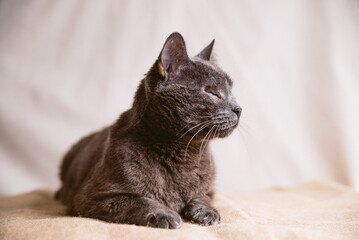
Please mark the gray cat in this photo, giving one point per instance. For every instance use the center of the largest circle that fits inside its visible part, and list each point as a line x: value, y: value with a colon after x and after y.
x: 152, y: 166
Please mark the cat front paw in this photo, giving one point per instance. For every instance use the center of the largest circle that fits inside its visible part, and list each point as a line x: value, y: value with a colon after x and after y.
x: 202, y: 214
x: 164, y: 219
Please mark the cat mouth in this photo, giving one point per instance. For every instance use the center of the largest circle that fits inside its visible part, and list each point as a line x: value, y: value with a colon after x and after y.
x: 225, y: 125
x: 228, y: 125
x: 224, y: 122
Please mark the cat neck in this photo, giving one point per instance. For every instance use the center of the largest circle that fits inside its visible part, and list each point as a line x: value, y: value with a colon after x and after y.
x: 181, y: 149
x: 146, y: 119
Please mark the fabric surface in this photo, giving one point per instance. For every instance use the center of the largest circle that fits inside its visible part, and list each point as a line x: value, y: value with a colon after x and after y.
x: 315, y: 210
x: 70, y: 67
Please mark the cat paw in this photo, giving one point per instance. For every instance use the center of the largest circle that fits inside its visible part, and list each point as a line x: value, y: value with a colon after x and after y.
x: 164, y: 219
x: 202, y: 214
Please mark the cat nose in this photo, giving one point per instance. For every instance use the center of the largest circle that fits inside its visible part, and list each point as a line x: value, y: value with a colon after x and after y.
x: 237, y: 110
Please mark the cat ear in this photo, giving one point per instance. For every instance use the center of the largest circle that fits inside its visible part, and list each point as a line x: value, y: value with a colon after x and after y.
x: 205, y: 54
x: 173, y: 54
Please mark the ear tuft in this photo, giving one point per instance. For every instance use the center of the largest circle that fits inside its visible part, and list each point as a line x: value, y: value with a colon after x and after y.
x: 206, y: 53
x: 161, y: 69
x: 173, y: 54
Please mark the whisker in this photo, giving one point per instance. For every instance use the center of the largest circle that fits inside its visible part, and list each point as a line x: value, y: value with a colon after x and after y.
x: 201, y: 128
x: 246, y: 147
x: 204, y: 139
x: 239, y: 131
x: 246, y: 127
x: 205, y: 116
x: 184, y: 127
x: 193, y: 128
x: 216, y: 134
x: 201, y: 150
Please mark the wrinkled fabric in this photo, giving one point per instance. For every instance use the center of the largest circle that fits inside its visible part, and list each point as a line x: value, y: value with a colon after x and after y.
x: 70, y: 67
x: 315, y: 210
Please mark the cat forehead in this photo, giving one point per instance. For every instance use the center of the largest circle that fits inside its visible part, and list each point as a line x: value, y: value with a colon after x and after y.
x: 210, y: 72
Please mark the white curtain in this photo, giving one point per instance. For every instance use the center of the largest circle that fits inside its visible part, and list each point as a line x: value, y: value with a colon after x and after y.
x: 69, y: 67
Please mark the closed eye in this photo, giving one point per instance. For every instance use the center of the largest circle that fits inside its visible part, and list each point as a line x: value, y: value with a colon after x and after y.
x: 212, y: 91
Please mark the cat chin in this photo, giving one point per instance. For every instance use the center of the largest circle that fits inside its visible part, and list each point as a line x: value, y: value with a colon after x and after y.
x: 225, y: 132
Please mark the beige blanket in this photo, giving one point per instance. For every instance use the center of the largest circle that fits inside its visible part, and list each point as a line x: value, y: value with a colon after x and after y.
x: 70, y: 67
x: 315, y: 210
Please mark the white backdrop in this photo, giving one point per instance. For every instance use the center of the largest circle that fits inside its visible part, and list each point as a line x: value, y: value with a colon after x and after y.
x: 69, y: 67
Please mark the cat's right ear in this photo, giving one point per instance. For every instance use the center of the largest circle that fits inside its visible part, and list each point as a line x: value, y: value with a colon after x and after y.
x: 173, y: 55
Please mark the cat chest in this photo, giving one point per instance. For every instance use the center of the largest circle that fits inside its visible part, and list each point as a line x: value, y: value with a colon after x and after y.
x: 160, y: 177
x: 177, y: 186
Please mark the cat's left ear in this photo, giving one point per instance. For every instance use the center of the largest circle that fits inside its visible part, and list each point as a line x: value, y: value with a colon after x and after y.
x: 206, y: 53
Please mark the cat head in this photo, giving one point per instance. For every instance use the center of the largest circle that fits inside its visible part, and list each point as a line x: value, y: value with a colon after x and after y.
x: 192, y: 96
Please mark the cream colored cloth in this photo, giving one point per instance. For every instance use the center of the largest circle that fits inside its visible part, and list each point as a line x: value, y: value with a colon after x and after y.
x: 315, y: 210
x: 69, y: 67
